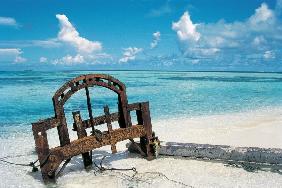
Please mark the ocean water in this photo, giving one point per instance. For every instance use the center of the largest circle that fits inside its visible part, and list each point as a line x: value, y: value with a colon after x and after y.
x: 237, y: 109
x: 26, y: 96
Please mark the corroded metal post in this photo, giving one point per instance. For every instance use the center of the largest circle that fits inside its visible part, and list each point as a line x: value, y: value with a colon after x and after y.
x: 43, y: 151
x: 145, y: 141
x: 62, y: 127
x: 81, y: 133
x: 51, y: 158
x: 109, y: 126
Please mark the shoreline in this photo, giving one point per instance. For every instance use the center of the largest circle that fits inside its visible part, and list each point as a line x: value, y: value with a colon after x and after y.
x: 261, y: 128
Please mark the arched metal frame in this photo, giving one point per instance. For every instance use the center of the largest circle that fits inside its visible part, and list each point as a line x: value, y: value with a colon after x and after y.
x: 51, y: 158
x: 84, y: 82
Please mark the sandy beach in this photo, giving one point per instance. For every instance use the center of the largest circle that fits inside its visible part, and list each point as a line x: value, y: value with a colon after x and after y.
x: 206, y: 74
x: 260, y: 128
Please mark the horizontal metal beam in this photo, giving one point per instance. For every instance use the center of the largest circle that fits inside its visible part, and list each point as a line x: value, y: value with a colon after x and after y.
x: 100, y: 120
x: 86, y: 144
x: 45, y: 124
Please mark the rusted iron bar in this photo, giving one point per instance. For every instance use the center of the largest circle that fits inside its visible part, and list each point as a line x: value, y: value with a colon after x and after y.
x: 109, y: 126
x: 50, y: 159
x: 89, y: 107
x: 134, y: 106
x: 100, y: 120
x: 90, y: 142
x: 58, y: 154
x: 81, y: 133
x: 145, y: 140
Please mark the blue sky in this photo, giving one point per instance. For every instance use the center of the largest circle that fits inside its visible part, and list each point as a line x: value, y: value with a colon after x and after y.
x: 168, y: 35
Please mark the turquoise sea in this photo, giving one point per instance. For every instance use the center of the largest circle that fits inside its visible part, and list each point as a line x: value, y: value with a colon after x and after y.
x: 26, y: 96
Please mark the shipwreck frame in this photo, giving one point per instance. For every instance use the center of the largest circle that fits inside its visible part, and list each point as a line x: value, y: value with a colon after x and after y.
x: 51, y: 158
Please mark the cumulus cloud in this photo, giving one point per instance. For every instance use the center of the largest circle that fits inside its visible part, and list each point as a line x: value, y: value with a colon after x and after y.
x: 11, y: 55
x: 205, y: 51
x: 43, y: 60
x: 98, y: 58
x: 269, y: 54
x: 262, y: 14
x: 19, y: 59
x: 70, y: 60
x: 185, y: 29
x: 129, y: 54
x: 156, y: 39
x: 8, y: 21
x: 70, y: 35
x: 259, y: 40
x: 87, y: 51
x: 254, y: 39
x: 10, y: 51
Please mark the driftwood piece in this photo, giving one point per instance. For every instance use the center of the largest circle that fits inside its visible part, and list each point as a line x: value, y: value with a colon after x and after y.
x: 218, y: 152
x: 223, y: 152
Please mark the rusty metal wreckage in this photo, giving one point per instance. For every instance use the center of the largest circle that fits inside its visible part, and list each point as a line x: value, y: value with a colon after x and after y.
x: 51, y: 158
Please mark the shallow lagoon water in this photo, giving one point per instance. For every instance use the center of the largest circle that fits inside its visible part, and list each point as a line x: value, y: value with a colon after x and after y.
x: 26, y: 96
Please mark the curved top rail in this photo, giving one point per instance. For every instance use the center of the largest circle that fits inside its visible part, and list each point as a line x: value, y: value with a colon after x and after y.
x: 88, y: 80
x: 84, y: 82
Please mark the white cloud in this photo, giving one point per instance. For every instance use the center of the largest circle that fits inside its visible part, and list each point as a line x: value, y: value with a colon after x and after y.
x: 8, y: 21
x: 12, y: 55
x: 98, y: 58
x: 269, y: 54
x: 48, y: 43
x: 259, y: 36
x: 208, y: 51
x: 129, y: 54
x: 86, y: 49
x: 43, y: 60
x: 185, y: 28
x: 93, y: 59
x: 70, y: 35
x: 70, y: 60
x: 262, y: 14
x: 259, y: 40
x: 19, y: 59
x: 10, y: 51
x: 156, y: 39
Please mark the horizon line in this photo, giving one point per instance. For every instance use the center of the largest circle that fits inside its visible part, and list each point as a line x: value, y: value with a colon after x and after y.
x: 136, y: 70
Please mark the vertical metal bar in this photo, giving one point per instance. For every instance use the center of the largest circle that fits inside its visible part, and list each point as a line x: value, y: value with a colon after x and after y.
x: 147, y: 119
x: 43, y: 151
x: 109, y: 125
x: 81, y: 132
x: 122, y: 120
x: 125, y: 119
x: 139, y: 115
x: 62, y: 128
x: 145, y: 141
x: 108, y: 118
x: 89, y: 109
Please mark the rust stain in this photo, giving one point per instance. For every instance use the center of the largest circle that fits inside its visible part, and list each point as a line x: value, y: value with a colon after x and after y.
x: 51, y: 158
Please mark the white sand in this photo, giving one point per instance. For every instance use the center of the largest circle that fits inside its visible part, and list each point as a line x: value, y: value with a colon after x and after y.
x: 262, y: 128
